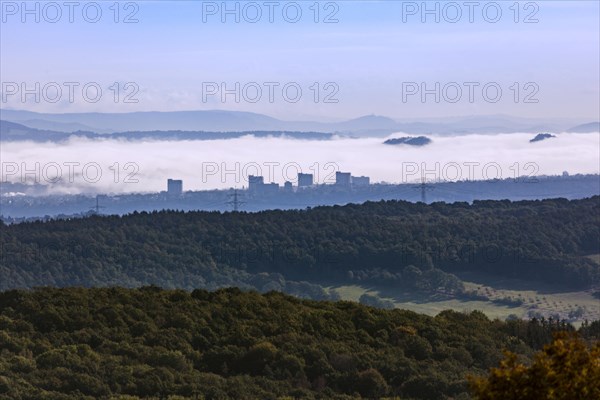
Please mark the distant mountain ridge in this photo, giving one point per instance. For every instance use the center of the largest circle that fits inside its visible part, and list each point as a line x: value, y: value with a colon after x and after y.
x: 237, y: 121
x: 585, y: 128
x: 10, y: 131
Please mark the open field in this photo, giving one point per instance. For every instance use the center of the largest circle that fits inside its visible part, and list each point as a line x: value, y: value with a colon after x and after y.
x: 573, y: 306
x: 542, y: 300
x: 528, y: 299
x: 595, y: 257
x: 429, y: 307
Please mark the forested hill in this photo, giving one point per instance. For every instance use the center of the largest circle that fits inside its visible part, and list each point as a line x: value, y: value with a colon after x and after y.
x: 151, y: 343
x: 277, y: 250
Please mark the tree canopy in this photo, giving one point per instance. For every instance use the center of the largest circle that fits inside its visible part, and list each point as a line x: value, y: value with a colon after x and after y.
x: 392, y: 243
x: 566, y: 369
x: 79, y: 343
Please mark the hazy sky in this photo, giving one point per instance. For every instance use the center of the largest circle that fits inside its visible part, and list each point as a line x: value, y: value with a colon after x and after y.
x: 373, y: 60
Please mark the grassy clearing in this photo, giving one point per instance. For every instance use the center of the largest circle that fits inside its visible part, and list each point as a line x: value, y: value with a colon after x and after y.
x: 595, y: 257
x: 431, y: 307
x: 575, y: 305
x: 536, y: 299
x: 541, y: 301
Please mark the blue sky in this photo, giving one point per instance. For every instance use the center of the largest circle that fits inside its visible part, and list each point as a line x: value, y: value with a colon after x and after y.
x: 369, y: 55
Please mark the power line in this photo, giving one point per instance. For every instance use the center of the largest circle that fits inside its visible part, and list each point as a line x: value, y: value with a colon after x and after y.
x: 423, y: 187
x: 96, y: 209
x: 235, y: 201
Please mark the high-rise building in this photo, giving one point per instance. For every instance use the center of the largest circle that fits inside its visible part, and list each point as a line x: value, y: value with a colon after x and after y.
x: 343, y: 179
x: 361, y: 181
x: 255, y: 183
x: 287, y: 186
x: 174, y: 187
x: 305, y: 180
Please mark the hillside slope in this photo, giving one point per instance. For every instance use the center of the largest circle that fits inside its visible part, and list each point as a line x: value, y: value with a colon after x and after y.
x: 152, y: 343
x: 392, y: 244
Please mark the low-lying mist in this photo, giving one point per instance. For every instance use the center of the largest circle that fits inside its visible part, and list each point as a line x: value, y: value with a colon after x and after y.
x: 120, y: 166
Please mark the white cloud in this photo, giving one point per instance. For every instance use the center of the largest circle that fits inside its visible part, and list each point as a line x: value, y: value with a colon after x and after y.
x: 226, y: 163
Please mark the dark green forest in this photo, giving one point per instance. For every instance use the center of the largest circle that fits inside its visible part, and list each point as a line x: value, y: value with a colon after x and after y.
x: 82, y: 337
x: 390, y: 244
x: 78, y: 343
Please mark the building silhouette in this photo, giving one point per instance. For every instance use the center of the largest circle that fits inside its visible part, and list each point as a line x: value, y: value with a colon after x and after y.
x: 255, y: 183
x: 270, y: 189
x: 343, y: 179
x: 174, y: 187
x: 305, y: 180
x: 361, y: 181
